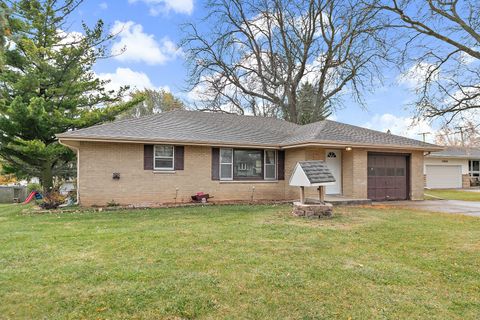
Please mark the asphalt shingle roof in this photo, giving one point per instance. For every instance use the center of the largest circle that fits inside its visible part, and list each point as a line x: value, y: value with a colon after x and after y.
x: 458, y: 152
x: 221, y: 128
x: 317, y: 171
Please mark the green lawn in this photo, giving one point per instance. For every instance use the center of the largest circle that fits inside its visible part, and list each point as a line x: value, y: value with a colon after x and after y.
x: 452, y: 194
x: 237, y: 262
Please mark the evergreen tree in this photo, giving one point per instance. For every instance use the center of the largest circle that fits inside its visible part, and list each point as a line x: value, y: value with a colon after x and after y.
x: 47, y: 86
x: 4, y: 32
x: 308, y: 110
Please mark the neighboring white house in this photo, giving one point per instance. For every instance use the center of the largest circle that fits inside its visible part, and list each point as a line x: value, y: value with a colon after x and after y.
x: 454, y: 167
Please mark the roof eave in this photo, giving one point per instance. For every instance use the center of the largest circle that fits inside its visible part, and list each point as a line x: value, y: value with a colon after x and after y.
x: 67, y: 137
x: 63, y: 138
x: 362, y: 145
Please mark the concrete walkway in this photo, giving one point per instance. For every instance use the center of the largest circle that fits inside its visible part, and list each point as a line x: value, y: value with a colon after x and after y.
x: 469, y: 208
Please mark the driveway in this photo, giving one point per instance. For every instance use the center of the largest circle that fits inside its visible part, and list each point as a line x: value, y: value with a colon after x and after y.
x: 469, y: 208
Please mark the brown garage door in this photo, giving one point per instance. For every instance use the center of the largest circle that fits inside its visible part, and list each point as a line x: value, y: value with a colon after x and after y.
x: 387, y: 177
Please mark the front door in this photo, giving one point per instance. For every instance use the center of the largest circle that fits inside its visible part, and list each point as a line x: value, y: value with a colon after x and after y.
x: 333, y: 159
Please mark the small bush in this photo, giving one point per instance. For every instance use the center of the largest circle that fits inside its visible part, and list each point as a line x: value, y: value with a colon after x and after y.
x: 34, y: 187
x: 51, y: 200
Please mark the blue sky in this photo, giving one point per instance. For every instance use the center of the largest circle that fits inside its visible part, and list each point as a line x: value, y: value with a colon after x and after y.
x: 151, y: 29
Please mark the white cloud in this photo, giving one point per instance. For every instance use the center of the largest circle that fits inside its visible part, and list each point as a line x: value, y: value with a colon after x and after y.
x: 140, y: 46
x: 103, y: 5
x: 165, y: 6
x: 467, y: 59
x: 69, y: 38
x: 126, y: 76
x: 403, y: 126
x: 416, y: 75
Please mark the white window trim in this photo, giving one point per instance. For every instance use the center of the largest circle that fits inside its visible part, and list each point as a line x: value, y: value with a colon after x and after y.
x: 232, y: 163
x: 265, y: 165
x: 471, y: 172
x: 172, y: 157
x: 220, y: 165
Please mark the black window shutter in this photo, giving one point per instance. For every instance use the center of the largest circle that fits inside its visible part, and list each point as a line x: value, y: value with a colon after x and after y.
x: 281, y: 164
x: 148, y: 157
x: 215, y: 163
x: 179, y: 155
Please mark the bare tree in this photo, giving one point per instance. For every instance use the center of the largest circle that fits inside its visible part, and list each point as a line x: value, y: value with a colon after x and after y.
x: 154, y: 102
x: 442, y: 49
x: 258, y: 53
x: 467, y: 135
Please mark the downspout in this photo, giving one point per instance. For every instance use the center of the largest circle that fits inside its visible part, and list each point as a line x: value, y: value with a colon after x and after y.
x: 77, y: 151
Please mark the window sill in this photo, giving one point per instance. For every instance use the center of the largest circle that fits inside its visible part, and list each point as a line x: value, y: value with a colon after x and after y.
x: 164, y: 171
x: 247, y: 181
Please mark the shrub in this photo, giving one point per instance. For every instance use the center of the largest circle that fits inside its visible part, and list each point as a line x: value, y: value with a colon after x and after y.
x: 51, y: 200
x: 34, y: 187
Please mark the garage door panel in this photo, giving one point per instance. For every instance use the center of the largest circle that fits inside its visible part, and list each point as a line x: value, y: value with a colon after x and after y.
x: 380, y: 193
x: 401, y: 182
x: 387, y: 179
x: 443, y: 176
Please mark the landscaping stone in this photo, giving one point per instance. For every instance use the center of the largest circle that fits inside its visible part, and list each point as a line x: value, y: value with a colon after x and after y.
x: 313, y: 210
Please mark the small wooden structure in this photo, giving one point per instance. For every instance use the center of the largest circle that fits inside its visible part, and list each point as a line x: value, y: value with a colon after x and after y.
x: 313, y: 173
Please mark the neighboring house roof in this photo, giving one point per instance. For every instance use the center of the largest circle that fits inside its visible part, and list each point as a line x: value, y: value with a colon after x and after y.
x: 457, y: 152
x: 311, y: 173
x: 226, y: 129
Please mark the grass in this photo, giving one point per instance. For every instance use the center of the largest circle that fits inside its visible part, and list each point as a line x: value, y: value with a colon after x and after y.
x: 452, y: 194
x: 238, y: 262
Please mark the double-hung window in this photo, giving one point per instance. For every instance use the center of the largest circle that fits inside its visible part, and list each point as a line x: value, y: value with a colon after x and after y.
x: 226, y: 164
x: 270, y: 164
x: 163, y: 157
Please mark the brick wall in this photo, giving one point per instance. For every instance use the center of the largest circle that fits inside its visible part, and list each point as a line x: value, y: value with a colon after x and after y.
x: 355, y: 177
x: 145, y: 187
x: 416, y: 175
x: 465, y: 181
x: 292, y: 156
x: 360, y: 158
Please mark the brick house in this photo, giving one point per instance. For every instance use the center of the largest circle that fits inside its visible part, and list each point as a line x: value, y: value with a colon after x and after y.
x: 170, y: 156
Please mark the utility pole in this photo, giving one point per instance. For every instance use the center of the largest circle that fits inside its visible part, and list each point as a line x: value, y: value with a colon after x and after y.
x: 424, y: 135
x: 461, y: 135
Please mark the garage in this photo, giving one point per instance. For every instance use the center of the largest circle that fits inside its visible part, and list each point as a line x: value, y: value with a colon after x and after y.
x: 387, y: 177
x: 443, y: 176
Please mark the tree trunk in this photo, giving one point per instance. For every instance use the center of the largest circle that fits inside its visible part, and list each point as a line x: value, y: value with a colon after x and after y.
x: 47, y: 177
x: 292, y: 106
